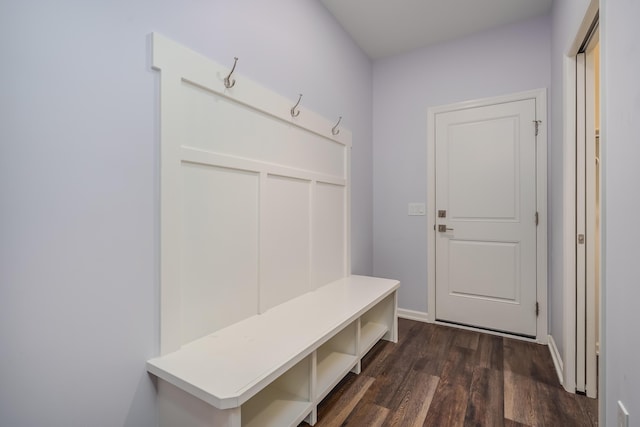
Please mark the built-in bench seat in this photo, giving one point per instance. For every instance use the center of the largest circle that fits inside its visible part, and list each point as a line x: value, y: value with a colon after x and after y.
x: 272, y: 369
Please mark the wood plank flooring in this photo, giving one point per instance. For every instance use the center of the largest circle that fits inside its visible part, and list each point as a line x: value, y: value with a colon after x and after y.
x: 447, y: 377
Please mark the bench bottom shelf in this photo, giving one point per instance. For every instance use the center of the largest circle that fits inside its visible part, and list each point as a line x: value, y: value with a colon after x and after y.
x: 275, y: 408
x: 332, y: 367
x: 370, y: 334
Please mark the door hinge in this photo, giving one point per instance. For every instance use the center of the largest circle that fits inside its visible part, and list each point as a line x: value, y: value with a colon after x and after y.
x: 537, y: 309
x: 537, y: 218
x: 537, y: 123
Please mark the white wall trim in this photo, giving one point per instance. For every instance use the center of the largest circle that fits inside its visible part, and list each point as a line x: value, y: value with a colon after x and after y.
x: 569, y: 223
x: 557, y: 359
x: 413, y: 315
x: 542, y: 326
x: 431, y: 212
x: 540, y: 95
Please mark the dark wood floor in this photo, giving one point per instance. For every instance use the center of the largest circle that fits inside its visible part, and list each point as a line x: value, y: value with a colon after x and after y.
x: 446, y: 377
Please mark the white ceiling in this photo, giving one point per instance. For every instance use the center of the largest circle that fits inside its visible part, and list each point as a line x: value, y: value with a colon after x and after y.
x: 388, y: 27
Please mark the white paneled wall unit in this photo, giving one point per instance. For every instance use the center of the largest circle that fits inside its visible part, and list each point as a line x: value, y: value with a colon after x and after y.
x: 260, y: 317
x: 255, y: 202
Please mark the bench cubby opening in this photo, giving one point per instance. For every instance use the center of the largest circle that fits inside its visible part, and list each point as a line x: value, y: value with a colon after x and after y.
x: 334, y: 359
x: 286, y: 401
x: 378, y: 323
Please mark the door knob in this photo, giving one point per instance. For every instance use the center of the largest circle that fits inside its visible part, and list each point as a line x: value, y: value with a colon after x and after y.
x: 442, y: 228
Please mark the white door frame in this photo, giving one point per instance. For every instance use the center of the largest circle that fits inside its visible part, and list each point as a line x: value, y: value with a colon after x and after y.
x: 540, y: 96
x: 569, y: 206
x: 590, y: 202
x: 586, y: 330
x: 580, y: 203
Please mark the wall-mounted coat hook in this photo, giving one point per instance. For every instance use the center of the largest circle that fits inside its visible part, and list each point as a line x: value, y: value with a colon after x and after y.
x: 228, y: 83
x: 335, y: 130
x: 295, y: 113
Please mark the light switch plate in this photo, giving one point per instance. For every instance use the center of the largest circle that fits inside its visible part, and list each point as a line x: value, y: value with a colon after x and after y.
x: 417, y: 209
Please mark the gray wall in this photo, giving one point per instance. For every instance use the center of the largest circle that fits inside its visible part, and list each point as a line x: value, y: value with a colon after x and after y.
x: 497, y: 62
x: 79, y: 182
x: 621, y: 175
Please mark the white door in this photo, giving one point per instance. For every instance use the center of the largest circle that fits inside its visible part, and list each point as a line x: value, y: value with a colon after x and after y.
x: 485, y: 249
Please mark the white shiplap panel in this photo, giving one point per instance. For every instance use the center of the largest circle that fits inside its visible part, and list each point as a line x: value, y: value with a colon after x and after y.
x: 219, y: 256
x: 218, y: 124
x: 329, y: 233
x: 285, y: 240
x: 193, y: 155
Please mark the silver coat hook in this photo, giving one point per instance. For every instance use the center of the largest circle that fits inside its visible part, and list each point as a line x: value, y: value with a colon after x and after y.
x: 295, y: 113
x: 335, y: 130
x: 228, y: 83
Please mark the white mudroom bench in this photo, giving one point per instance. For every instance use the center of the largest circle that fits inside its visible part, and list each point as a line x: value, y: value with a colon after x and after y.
x: 260, y: 316
x: 272, y: 369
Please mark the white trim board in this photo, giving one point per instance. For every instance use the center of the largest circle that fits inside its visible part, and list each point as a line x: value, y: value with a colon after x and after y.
x: 569, y: 224
x: 557, y: 359
x: 540, y: 95
x: 413, y: 315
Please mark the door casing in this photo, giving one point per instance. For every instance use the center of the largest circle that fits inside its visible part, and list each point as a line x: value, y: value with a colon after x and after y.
x: 586, y: 328
x: 541, y: 199
x: 567, y: 371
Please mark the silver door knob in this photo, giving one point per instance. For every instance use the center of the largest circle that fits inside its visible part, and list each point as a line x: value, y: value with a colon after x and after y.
x: 442, y: 228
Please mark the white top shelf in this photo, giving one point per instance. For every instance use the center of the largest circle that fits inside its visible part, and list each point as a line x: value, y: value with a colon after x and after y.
x: 229, y: 366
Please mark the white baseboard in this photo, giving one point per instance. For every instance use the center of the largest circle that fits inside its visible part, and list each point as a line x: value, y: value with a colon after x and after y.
x: 557, y: 360
x: 413, y: 315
